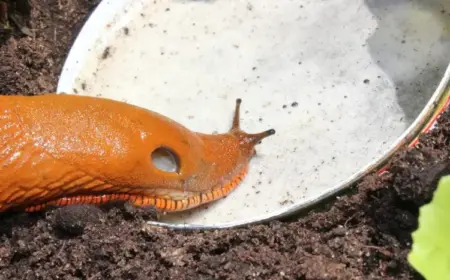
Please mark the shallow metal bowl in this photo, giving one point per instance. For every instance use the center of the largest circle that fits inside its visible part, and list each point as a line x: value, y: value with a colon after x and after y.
x: 345, y: 83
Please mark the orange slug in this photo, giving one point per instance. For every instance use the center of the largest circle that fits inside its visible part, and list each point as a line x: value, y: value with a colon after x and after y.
x: 59, y: 149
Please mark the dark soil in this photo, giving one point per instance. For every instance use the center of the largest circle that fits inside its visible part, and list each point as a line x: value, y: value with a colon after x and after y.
x: 364, y: 234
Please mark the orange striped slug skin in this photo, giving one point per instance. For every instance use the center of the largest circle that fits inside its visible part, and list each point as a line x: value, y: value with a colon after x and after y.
x: 59, y: 149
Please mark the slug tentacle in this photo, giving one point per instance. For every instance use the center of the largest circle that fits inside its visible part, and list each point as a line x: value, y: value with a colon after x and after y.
x: 256, y: 138
x: 251, y: 138
x: 236, y: 119
x: 247, y: 140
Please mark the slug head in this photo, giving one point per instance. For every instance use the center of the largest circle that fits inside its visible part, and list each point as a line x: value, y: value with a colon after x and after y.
x: 211, y: 160
x: 224, y: 157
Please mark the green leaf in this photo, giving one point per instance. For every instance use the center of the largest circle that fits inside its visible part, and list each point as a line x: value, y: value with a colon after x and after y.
x: 430, y: 253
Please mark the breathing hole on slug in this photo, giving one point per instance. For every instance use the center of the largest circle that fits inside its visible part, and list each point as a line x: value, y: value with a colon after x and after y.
x: 165, y: 160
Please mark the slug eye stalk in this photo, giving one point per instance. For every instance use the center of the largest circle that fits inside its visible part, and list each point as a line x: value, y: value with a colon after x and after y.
x: 251, y: 139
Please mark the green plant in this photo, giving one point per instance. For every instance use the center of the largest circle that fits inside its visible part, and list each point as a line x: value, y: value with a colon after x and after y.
x: 430, y: 253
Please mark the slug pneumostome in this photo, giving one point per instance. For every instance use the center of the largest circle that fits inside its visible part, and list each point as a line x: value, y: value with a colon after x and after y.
x: 59, y: 149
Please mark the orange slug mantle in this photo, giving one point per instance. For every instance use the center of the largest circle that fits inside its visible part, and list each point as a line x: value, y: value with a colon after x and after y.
x: 59, y: 149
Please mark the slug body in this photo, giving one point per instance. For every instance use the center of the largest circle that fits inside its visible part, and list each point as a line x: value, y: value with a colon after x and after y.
x: 60, y: 149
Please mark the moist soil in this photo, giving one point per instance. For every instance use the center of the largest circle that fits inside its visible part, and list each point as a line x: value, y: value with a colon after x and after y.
x: 363, y: 234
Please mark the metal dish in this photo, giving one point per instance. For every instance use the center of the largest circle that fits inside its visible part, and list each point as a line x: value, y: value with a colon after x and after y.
x: 345, y: 84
